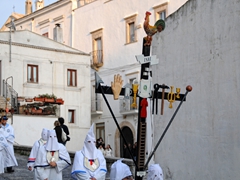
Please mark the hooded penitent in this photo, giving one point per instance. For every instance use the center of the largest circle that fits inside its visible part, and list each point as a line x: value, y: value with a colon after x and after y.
x: 119, y: 170
x: 155, y: 172
x: 44, y: 134
x: 89, y: 149
x: 52, y: 142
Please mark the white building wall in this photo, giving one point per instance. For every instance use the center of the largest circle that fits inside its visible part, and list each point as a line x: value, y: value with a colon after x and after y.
x: 200, y: 47
x: 52, y: 79
x: 119, y: 57
x: 44, y: 20
x: 27, y: 130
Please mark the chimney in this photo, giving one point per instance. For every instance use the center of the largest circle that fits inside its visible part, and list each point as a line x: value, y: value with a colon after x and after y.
x: 28, y: 7
x: 39, y: 4
x: 58, y: 33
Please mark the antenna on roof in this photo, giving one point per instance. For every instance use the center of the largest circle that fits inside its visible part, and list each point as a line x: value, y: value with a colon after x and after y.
x: 13, y: 8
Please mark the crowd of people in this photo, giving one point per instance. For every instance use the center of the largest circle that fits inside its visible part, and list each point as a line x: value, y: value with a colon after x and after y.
x: 49, y: 156
x: 106, y: 150
x: 133, y: 150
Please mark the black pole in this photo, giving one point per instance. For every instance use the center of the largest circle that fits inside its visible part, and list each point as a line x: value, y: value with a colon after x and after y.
x: 141, y: 122
x: 159, y: 141
x: 114, y: 118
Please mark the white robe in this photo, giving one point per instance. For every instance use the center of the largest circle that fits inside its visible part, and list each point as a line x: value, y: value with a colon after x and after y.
x: 42, y: 170
x: 34, y: 152
x: 82, y: 170
x: 3, y: 151
x: 8, y: 133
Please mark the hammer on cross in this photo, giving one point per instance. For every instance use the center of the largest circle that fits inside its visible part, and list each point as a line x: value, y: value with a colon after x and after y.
x: 163, y: 86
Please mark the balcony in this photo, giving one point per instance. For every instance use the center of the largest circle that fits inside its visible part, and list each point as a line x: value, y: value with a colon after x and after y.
x: 125, y: 107
x: 96, y: 59
x: 96, y: 107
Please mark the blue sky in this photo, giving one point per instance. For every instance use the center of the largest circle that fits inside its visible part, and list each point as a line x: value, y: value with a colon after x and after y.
x: 6, y: 8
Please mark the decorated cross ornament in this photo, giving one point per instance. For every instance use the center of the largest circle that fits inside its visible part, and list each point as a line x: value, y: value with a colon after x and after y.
x: 144, y: 90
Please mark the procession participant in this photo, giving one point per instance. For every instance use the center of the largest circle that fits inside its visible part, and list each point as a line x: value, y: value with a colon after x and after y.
x: 9, y: 135
x: 51, y: 159
x: 155, y: 172
x: 89, y: 163
x: 65, y: 129
x: 120, y: 171
x: 3, y: 150
x: 35, y: 148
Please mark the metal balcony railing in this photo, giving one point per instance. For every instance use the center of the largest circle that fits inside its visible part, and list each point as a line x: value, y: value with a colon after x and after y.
x: 97, y: 58
x: 125, y: 106
x: 96, y: 105
x: 11, y: 96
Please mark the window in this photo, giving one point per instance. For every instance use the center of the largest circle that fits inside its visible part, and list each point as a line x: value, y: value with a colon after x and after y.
x: 84, y: 2
x: 32, y: 73
x: 97, y: 46
x: 100, y: 130
x: 45, y: 34
x: 131, y: 32
x: 161, y: 15
x: 72, y: 77
x: 71, y: 116
x: 131, y: 35
x: 160, y: 11
x: 98, y: 50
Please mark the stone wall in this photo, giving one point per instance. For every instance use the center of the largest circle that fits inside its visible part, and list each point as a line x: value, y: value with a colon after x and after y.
x: 25, y: 150
x: 200, y: 46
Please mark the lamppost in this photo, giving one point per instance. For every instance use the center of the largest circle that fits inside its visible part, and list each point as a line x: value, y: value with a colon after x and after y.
x: 12, y: 26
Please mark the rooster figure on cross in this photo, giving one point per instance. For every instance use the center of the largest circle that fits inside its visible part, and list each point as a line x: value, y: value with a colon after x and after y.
x: 151, y: 30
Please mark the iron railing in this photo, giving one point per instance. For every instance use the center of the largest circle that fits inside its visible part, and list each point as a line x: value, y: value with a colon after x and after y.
x: 97, y: 57
x: 125, y: 105
x: 11, y: 96
x: 96, y: 105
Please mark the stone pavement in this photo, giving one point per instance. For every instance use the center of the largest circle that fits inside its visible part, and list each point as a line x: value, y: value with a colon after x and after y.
x: 21, y: 171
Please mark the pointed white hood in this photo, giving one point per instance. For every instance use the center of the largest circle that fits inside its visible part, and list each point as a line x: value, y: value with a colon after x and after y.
x: 52, y: 142
x: 155, y: 172
x: 44, y: 134
x: 119, y: 170
x: 89, y: 149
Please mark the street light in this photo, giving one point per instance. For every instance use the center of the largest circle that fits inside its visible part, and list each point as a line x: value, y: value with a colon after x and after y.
x: 10, y: 39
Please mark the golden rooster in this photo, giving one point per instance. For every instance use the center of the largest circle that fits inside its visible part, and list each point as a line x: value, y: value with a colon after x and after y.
x: 151, y: 30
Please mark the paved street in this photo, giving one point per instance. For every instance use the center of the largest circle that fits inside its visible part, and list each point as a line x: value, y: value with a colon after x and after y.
x: 22, y: 173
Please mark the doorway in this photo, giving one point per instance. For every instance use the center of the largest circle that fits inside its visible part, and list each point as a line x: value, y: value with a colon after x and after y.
x: 127, y: 132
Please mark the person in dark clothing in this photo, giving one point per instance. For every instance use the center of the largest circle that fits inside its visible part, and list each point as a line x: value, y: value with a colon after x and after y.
x: 65, y: 129
x: 58, y: 131
x: 134, y: 151
x: 100, y: 142
x: 126, y: 153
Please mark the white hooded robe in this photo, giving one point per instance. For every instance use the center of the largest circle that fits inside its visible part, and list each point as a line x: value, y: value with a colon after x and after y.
x: 7, y: 134
x: 119, y: 170
x: 155, y: 172
x: 42, y: 168
x: 35, y: 148
x: 3, y: 151
x: 89, y: 162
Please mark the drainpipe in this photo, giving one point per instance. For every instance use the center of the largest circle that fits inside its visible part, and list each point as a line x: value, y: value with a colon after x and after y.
x: 73, y: 19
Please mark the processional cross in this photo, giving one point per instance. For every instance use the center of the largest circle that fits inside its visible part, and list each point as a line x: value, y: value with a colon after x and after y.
x: 143, y: 91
